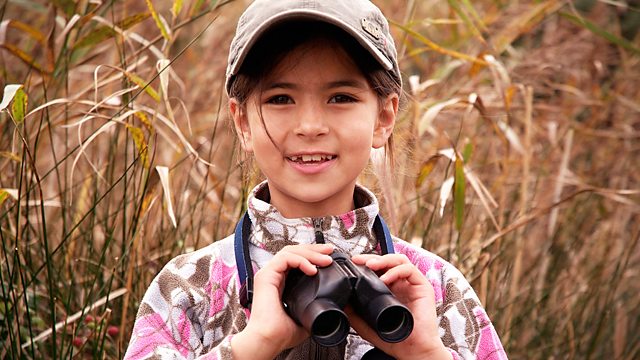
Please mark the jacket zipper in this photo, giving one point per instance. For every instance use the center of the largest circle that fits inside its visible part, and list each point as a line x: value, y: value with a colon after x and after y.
x: 317, y: 226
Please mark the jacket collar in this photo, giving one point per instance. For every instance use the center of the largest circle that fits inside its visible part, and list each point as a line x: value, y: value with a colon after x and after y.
x: 350, y: 232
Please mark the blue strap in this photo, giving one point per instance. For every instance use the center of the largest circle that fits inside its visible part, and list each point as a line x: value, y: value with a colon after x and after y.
x: 243, y: 260
x: 383, y: 235
x: 237, y: 247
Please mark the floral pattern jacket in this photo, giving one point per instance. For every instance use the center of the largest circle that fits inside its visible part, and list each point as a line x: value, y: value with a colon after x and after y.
x: 191, y: 310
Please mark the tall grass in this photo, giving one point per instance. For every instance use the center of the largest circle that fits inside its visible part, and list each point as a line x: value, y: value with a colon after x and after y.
x: 517, y: 162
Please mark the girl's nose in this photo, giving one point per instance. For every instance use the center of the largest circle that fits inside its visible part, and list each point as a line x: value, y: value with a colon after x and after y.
x: 311, y: 123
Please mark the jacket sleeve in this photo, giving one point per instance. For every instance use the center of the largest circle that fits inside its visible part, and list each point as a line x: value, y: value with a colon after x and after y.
x: 154, y: 337
x: 184, y: 313
x: 465, y: 328
x: 468, y: 331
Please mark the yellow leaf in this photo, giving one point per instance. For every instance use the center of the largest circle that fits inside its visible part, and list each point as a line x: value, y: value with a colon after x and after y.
x: 508, y: 96
x: 143, y: 85
x: 141, y: 144
x: 435, y: 47
x: 24, y: 28
x: 177, y: 6
x: 476, y: 67
x: 24, y: 57
x: 159, y: 23
x: 10, y: 156
x: 144, y: 120
x: 425, y: 170
x: 146, y: 201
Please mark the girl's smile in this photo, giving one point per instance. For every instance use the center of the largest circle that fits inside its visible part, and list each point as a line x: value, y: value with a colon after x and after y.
x: 312, y: 128
x: 312, y: 163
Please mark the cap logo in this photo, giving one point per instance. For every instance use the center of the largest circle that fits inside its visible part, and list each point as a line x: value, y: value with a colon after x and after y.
x: 372, y: 28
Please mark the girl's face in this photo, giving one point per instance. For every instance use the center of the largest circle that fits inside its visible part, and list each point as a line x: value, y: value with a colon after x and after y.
x: 321, y: 119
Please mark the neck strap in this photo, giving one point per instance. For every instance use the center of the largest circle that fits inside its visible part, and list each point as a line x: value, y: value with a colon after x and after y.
x: 243, y: 258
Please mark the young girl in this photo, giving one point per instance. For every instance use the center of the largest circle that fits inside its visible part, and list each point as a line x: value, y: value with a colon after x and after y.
x: 313, y: 86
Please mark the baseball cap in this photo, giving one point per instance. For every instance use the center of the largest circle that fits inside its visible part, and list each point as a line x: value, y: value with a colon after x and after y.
x: 360, y: 19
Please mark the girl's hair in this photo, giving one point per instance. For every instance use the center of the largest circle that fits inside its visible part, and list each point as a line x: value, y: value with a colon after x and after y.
x: 273, y: 46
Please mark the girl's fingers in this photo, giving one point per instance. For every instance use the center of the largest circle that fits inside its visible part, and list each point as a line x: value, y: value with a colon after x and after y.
x: 377, y: 262
x: 406, y: 272
x: 362, y: 258
x: 303, y: 257
x: 395, y: 266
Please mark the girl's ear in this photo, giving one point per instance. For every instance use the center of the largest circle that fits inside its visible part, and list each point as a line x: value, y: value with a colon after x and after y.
x: 241, y: 124
x: 386, y: 121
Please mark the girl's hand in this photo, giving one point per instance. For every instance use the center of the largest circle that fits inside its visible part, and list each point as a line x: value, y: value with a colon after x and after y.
x: 270, y: 330
x: 413, y: 289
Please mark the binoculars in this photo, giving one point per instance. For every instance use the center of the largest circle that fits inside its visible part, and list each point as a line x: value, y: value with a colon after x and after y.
x: 316, y: 302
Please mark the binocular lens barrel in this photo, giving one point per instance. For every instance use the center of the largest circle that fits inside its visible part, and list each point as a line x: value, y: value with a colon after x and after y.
x: 328, y: 324
x: 394, y: 324
x: 390, y: 319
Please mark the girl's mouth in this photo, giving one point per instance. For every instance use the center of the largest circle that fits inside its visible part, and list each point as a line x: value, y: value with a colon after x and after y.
x: 311, y: 158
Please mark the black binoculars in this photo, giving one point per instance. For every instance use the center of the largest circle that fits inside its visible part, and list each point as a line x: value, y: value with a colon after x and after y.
x: 316, y: 302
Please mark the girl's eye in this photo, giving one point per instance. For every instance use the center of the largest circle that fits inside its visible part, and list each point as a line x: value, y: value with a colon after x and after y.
x: 280, y: 100
x: 341, y: 99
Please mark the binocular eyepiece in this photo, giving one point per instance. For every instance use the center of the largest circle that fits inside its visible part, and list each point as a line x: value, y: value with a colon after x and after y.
x: 316, y: 302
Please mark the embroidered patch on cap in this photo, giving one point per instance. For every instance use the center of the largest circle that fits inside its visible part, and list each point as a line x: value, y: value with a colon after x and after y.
x: 372, y: 28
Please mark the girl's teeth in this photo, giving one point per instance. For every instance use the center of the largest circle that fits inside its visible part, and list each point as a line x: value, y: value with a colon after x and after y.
x: 311, y: 158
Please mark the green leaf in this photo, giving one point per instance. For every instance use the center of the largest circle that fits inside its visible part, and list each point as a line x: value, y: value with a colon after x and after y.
x: 196, y: 7
x: 466, y: 153
x: 470, y: 25
x: 458, y: 194
x: 105, y: 32
x: 3, y: 196
x: 474, y: 13
x: 19, y: 107
x: 67, y: 6
x: 601, y: 32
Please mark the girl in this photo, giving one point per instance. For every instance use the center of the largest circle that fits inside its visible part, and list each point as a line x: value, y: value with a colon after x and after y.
x: 313, y: 86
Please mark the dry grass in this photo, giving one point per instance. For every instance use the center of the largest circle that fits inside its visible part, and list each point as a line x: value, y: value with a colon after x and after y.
x: 531, y: 109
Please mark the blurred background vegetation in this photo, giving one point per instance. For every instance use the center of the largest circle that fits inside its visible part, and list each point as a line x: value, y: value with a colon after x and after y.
x: 518, y: 156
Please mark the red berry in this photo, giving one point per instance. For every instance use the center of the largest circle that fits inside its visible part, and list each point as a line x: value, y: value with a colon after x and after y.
x: 78, y: 341
x: 113, y: 331
x: 89, y: 319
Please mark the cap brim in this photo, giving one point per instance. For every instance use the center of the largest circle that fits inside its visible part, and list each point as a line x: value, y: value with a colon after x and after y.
x: 302, y: 14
